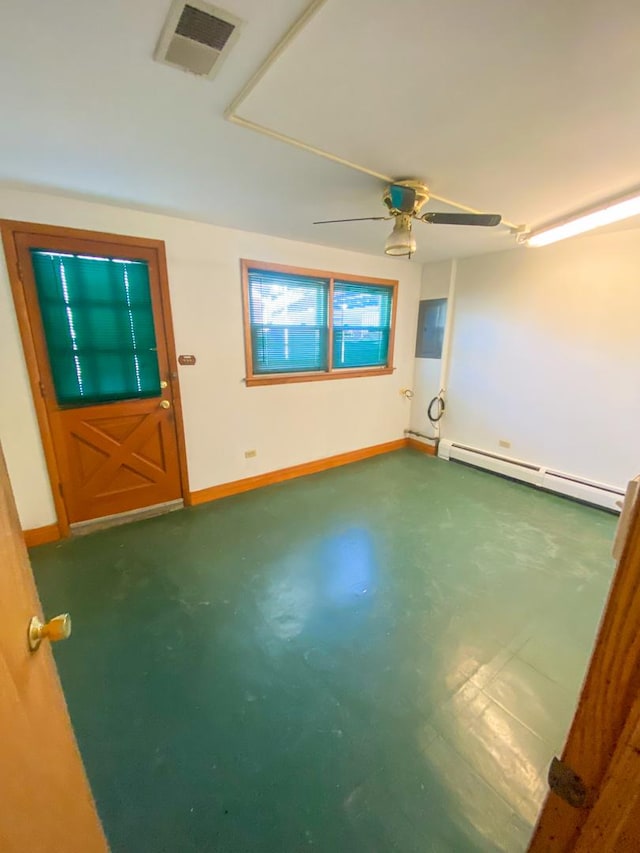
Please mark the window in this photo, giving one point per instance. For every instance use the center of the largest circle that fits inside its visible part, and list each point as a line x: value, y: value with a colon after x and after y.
x: 98, y: 326
x: 303, y: 325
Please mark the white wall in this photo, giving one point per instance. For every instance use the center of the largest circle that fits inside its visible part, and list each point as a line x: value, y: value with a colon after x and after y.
x: 286, y: 424
x: 427, y: 377
x: 546, y: 355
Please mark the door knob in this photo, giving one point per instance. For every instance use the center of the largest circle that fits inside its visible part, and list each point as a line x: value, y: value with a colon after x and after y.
x: 58, y: 628
x: 165, y: 404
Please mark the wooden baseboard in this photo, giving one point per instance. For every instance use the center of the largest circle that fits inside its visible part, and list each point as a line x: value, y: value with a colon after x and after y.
x: 237, y: 486
x: 51, y: 532
x: 422, y: 446
x: 41, y: 535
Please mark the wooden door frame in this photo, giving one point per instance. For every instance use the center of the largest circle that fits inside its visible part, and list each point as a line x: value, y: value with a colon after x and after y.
x: 602, y: 746
x: 10, y: 230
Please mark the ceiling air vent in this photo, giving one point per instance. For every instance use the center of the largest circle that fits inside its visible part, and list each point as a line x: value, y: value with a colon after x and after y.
x: 197, y: 37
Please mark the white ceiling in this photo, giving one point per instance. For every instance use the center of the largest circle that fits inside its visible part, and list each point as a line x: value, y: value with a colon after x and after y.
x: 525, y: 109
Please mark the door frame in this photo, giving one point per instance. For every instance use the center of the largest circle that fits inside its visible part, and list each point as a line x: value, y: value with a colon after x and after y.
x: 602, y: 746
x: 10, y: 230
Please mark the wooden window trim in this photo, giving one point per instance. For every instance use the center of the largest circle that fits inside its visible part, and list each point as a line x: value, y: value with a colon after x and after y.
x: 17, y: 233
x: 252, y: 379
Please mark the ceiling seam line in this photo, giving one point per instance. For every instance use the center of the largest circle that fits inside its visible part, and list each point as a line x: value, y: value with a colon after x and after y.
x: 290, y: 140
x: 266, y: 64
x: 231, y: 115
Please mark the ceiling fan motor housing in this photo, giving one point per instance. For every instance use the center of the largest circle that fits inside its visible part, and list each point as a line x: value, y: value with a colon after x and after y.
x: 405, y: 197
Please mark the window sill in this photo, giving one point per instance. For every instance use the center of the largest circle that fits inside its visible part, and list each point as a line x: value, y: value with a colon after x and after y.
x: 288, y: 378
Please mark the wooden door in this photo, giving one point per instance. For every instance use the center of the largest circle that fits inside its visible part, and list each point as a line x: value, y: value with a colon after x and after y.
x: 45, y: 800
x: 603, y: 746
x: 111, y: 423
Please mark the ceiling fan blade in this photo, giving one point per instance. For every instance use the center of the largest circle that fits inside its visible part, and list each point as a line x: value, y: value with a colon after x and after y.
x: 486, y: 219
x: 357, y: 219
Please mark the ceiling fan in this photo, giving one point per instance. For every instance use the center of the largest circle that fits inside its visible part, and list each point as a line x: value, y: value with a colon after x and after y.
x: 404, y: 200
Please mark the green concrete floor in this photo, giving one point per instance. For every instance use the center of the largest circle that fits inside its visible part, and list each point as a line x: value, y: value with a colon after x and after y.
x: 383, y: 657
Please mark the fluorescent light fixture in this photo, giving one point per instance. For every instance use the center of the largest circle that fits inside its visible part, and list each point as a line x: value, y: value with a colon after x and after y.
x: 612, y: 212
x: 401, y: 241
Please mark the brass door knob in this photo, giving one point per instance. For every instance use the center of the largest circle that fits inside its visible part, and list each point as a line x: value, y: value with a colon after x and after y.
x: 58, y: 628
x: 165, y: 404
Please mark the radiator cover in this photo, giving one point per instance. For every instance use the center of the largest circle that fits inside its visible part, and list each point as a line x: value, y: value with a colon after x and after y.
x: 588, y: 491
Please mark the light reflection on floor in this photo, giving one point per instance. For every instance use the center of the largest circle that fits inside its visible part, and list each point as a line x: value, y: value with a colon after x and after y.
x: 297, y: 591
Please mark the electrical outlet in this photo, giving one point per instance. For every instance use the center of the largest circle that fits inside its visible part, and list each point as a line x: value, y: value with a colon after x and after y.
x: 249, y: 454
x: 504, y: 443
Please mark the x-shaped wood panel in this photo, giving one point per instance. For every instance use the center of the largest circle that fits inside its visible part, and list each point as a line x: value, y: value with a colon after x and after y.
x: 119, y: 454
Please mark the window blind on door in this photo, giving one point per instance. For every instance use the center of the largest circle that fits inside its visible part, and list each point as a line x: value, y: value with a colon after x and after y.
x: 98, y: 325
x: 288, y: 322
x: 361, y: 324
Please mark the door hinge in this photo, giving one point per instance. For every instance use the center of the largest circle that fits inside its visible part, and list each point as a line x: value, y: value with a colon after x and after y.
x: 42, y: 391
x: 566, y: 784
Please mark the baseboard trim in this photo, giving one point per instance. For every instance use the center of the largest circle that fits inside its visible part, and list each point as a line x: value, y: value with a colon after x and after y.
x: 247, y: 484
x: 422, y: 446
x: 51, y: 532
x: 41, y: 535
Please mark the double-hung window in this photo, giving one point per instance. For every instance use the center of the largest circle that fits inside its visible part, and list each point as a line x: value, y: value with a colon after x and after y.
x: 303, y: 325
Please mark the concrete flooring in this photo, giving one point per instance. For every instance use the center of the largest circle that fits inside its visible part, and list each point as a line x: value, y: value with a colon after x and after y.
x: 383, y: 657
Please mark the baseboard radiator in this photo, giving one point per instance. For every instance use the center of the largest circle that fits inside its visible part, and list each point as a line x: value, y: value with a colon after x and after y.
x: 597, y: 494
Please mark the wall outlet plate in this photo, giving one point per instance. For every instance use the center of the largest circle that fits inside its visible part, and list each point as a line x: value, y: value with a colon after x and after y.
x: 504, y: 443
x: 249, y: 454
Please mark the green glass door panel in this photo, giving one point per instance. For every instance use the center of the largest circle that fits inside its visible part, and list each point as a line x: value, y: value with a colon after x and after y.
x: 98, y: 324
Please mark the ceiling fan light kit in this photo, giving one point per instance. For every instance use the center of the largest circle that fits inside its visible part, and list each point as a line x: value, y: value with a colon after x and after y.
x: 401, y: 240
